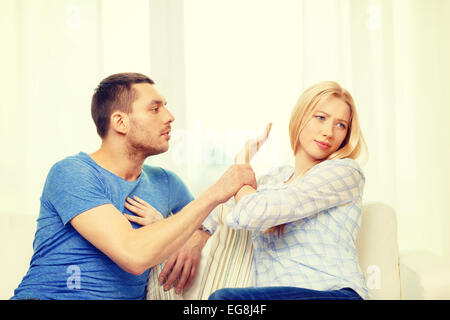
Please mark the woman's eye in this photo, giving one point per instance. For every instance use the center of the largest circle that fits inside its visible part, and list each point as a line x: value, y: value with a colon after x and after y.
x: 341, y: 125
x: 320, y: 117
x: 155, y: 110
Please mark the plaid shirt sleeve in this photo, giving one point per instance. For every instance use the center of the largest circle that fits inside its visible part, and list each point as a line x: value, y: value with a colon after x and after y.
x: 212, y: 220
x: 328, y: 184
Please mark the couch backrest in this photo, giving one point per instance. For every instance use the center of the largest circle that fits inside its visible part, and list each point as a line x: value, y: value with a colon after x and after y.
x: 378, y: 251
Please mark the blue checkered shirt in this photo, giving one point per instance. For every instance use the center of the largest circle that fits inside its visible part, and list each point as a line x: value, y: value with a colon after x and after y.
x: 322, y: 213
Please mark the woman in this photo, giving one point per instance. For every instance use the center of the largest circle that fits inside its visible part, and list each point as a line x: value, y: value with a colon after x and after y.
x: 305, y: 219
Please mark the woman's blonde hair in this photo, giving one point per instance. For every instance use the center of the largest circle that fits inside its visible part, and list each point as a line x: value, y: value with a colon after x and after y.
x: 352, y: 146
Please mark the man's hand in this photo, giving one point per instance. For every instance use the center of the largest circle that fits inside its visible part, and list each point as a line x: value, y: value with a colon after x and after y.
x: 232, y: 180
x: 181, y: 268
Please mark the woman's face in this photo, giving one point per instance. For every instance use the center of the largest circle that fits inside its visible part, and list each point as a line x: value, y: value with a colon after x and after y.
x: 325, y: 131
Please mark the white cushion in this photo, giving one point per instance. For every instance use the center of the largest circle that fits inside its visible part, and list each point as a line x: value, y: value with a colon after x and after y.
x: 226, y: 261
x: 378, y: 251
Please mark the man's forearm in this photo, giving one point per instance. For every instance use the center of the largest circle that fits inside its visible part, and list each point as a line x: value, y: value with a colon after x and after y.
x: 166, y: 236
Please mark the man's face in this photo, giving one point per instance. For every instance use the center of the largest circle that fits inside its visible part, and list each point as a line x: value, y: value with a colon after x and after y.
x: 149, y: 121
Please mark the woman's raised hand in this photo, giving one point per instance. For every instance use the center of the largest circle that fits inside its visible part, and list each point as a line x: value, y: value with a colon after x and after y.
x: 146, y: 214
x: 252, y: 146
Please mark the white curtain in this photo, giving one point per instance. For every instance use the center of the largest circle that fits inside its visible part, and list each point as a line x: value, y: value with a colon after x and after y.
x: 53, y: 55
x: 228, y: 68
x: 248, y: 61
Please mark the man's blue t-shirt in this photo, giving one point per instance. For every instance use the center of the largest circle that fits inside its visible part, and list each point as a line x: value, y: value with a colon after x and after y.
x: 64, y: 264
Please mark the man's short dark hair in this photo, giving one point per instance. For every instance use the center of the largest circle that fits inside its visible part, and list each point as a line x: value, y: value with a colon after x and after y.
x: 114, y: 93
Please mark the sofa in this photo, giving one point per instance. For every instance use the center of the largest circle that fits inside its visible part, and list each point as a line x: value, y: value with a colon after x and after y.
x: 227, y: 260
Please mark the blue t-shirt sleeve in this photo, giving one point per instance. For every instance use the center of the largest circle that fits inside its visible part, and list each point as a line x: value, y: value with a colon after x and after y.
x: 179, y: 194
x: 73, y: 187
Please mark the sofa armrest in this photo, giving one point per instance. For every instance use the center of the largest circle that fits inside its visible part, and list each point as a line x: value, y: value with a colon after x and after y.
x: 424, y: 276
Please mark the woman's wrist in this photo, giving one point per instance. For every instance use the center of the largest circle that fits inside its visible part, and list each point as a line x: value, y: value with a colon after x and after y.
x: 245, y: 190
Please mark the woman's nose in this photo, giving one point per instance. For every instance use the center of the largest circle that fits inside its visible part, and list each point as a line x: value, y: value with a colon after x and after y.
x: 327, y: 130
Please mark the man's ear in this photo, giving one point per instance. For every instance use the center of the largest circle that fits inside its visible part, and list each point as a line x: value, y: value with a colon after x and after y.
x: 120, y: 122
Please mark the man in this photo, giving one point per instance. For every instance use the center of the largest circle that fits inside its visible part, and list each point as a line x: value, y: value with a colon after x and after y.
x: 84, y: 247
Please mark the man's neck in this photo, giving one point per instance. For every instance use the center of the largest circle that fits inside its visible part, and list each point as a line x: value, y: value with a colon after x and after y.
x: 119, y: 162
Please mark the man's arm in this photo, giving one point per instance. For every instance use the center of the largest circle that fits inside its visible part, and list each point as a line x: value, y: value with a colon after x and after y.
x: 136, y: 250
x: 181, y: 268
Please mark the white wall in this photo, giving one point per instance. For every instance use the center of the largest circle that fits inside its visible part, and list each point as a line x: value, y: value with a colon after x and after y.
x: 54, y: 55
x: 227, y: 68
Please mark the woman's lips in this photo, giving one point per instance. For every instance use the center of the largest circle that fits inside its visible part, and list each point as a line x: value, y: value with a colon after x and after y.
x: 322, y: 145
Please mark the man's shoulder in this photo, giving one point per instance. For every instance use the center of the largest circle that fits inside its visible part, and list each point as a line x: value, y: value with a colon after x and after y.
x: 73, y: 166
x: 77, y: 160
